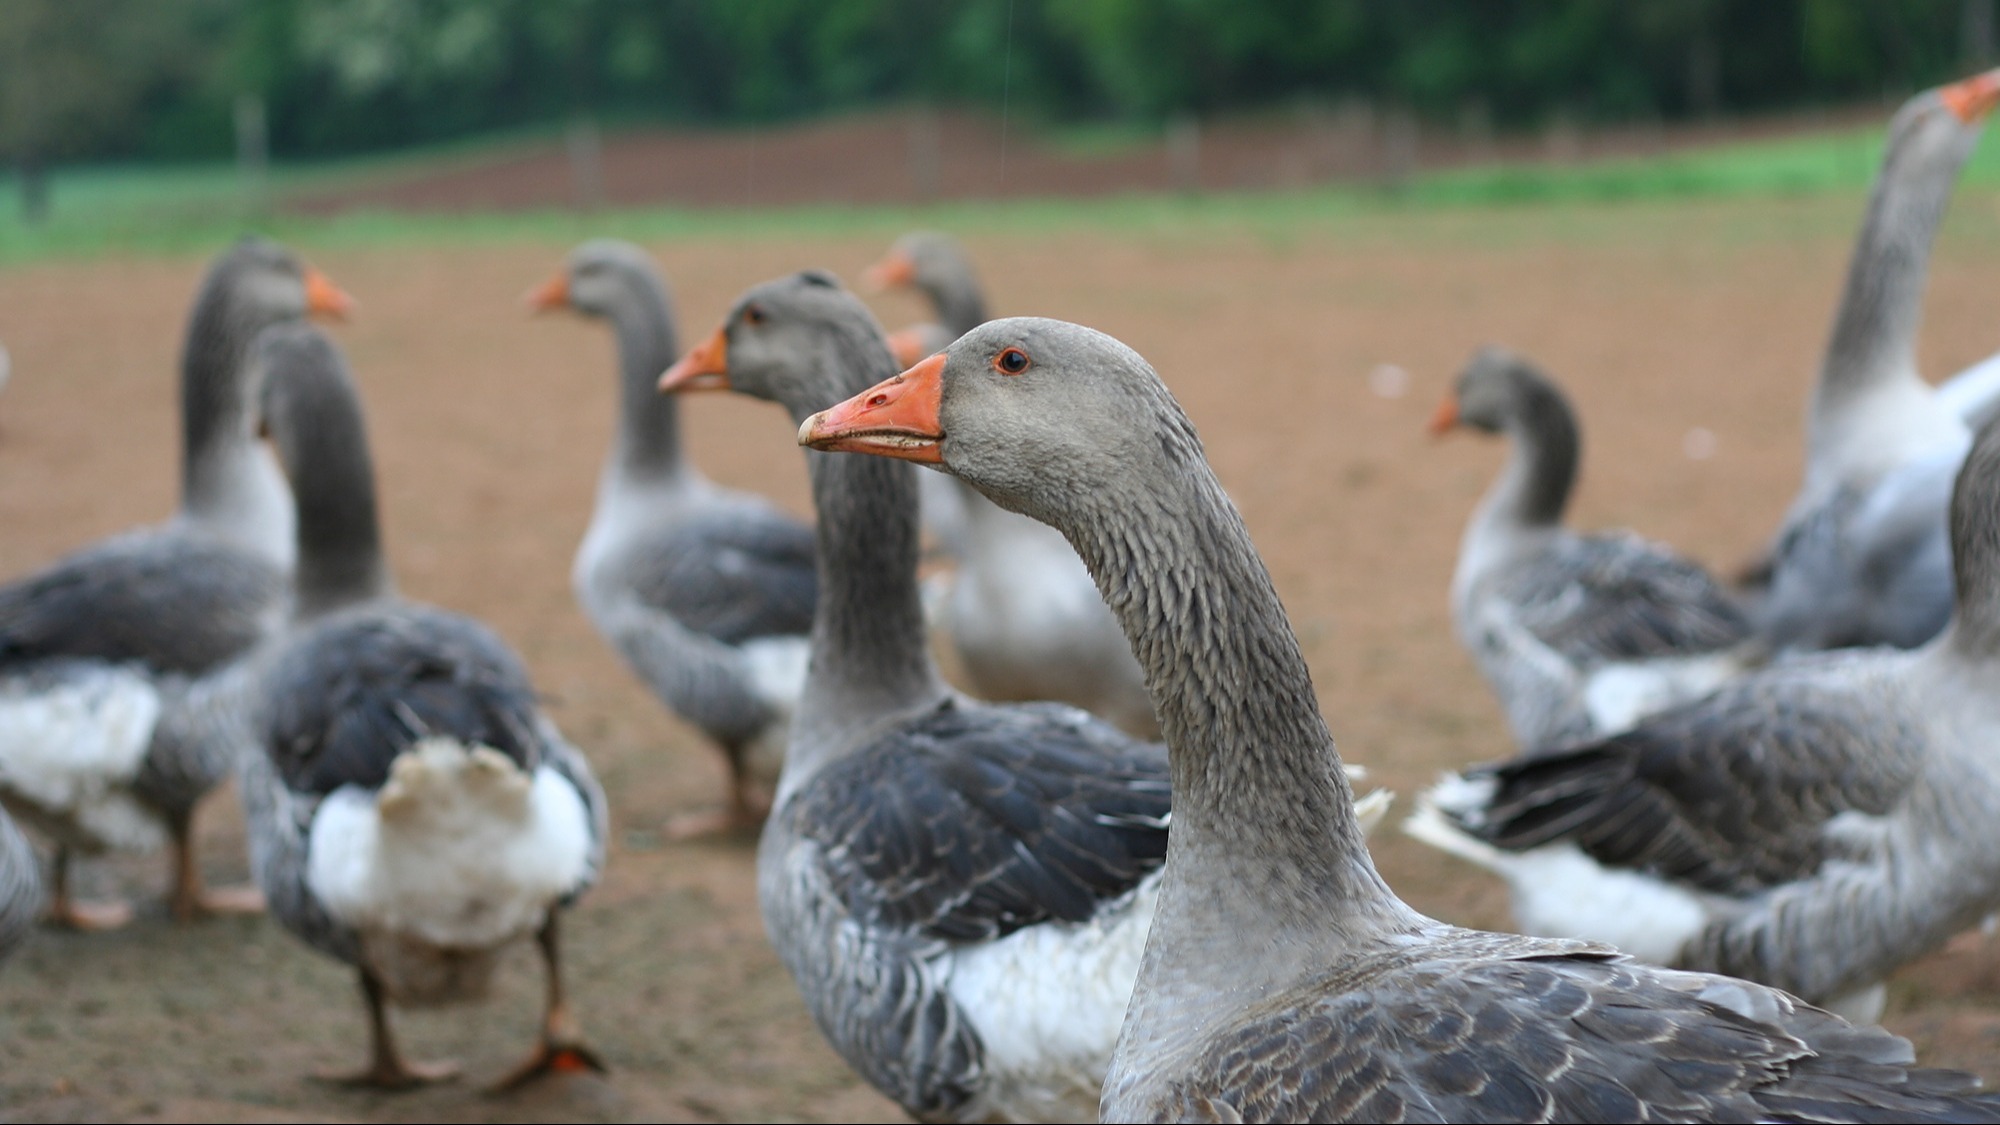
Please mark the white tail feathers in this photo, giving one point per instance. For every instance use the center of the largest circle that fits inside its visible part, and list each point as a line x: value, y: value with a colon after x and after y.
x: 460, y: 848
x: 69, y: 747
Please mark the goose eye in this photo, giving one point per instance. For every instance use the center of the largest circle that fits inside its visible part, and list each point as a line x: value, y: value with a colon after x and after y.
x: 1013, y: 361
x: 753, y: 314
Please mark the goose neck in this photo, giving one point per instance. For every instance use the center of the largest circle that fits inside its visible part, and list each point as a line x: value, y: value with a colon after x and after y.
x: 648, y: 443
x: 1533, y: 489
x: 1873, y: 341
x: 956, y: 296
x: 226, y: 479
x: 1264, y: 837
x: 870, y: 651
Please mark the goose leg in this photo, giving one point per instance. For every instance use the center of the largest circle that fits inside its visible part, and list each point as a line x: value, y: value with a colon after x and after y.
x: 68, y: 912
x: 386, y: 1069
x: 744, y: 813
x: 191, y: 899
x: 562, y: 1049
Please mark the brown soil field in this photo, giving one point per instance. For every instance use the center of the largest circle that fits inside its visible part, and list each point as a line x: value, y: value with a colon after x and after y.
x: 488, y: 427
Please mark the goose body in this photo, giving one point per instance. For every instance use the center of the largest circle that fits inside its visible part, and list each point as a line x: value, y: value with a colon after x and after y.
x: 1023, y: 616
x: 412, y: 812
x: 1282, y: 979
x: 100, y: 650
x: 706, y: 593
x: 1861, y: 556
x: 1812, y: 825
x: 960, y: 890
x: 20, y: 886
x: 1578, y: 635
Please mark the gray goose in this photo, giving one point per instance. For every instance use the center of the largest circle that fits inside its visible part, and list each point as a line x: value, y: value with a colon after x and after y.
x: 1024, y: 619
x: 1812, y: 825
x: 1861, y: 556
x: 705, y: 592
x: 98, y: 650
x: 1578, y: 635
x: 411, y: 810
x: 1283, y: 980
x: 20, y: 886
x: 960, y: 890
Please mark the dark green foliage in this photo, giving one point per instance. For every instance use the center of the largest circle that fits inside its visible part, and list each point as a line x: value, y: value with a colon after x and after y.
x: 356, y: 75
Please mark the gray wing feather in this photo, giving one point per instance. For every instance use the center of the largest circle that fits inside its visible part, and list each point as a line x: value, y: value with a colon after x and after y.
x: 1731, y: 793
x: 168, y: 598
x: 733, y: 573
x: 1477, y: 1034
x: 1617, y: 597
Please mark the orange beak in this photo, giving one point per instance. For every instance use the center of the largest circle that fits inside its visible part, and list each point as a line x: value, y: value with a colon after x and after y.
x: 1974, y: 98
x: 325, y: 298
x: 1444, y: 417
x: 706, y: 368
x: 895, y: 270
x: 908, y: 345
x: 897, y: 417
x: 550, y: 294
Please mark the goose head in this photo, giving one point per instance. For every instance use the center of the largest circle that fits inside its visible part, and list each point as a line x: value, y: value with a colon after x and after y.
x: 1008, y: 409
x: 1499, y: 391
x: 787, y: 341
x: 922, y: 259
x: 258, y: 282
x: 601, y: 276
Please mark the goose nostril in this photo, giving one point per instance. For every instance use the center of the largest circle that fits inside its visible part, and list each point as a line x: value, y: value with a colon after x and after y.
x: 877, y: 400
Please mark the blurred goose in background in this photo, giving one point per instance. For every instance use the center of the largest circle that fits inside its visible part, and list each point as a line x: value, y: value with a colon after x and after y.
x: 1023, y: 617
x: 707, y: 593
x: 412, y: 812
x: 1282, y: 979
x: 20, y: 886
x: 1578, y: 635
x: 960, y: 890
x: 1861, y: 556
x: 97, y: 651
x: 1811, y: 825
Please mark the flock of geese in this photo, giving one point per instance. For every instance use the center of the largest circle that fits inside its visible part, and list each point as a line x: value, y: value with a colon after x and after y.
x: 1735, y: 812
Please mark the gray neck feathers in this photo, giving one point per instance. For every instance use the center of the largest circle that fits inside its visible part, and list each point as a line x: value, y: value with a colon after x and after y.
x: 1975, y: 548
x: 954, y: 292
x: 1881, y: 306
x: 870, y: 652
x: 215, y: 392
x: 1263, y: 817
x: 649, y: 429
x: 1534, y: 489
x: 333, y: 482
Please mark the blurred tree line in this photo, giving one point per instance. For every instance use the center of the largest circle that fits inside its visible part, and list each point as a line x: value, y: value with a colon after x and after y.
x: 95, y: 79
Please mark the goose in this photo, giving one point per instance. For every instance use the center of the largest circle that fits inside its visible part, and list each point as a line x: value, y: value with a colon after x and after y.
x: 1282, y: 979
x: 1578, y: 635
x: 97, y: 651
x: 706, y: 593
x: 960, y: 890
x: 1023, y: 617
x: 411, y: 810
x: 1861, y: 557
x: 1812, y: 825
x: 20, y: 886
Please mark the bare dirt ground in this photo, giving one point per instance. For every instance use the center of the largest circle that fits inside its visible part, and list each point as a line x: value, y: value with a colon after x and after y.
x: 488, y: 426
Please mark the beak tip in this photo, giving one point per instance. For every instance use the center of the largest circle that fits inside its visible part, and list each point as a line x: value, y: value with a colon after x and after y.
x: 809, y: 429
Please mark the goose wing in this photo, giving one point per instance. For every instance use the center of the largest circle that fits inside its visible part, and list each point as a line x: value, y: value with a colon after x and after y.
x: 1467, y: 1035
x: 177, y: 602
x: 975, y: 821
x: 1730, y: 793
x: 359, y: 688
x: 733, y: 573
x: 1619, y: 597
